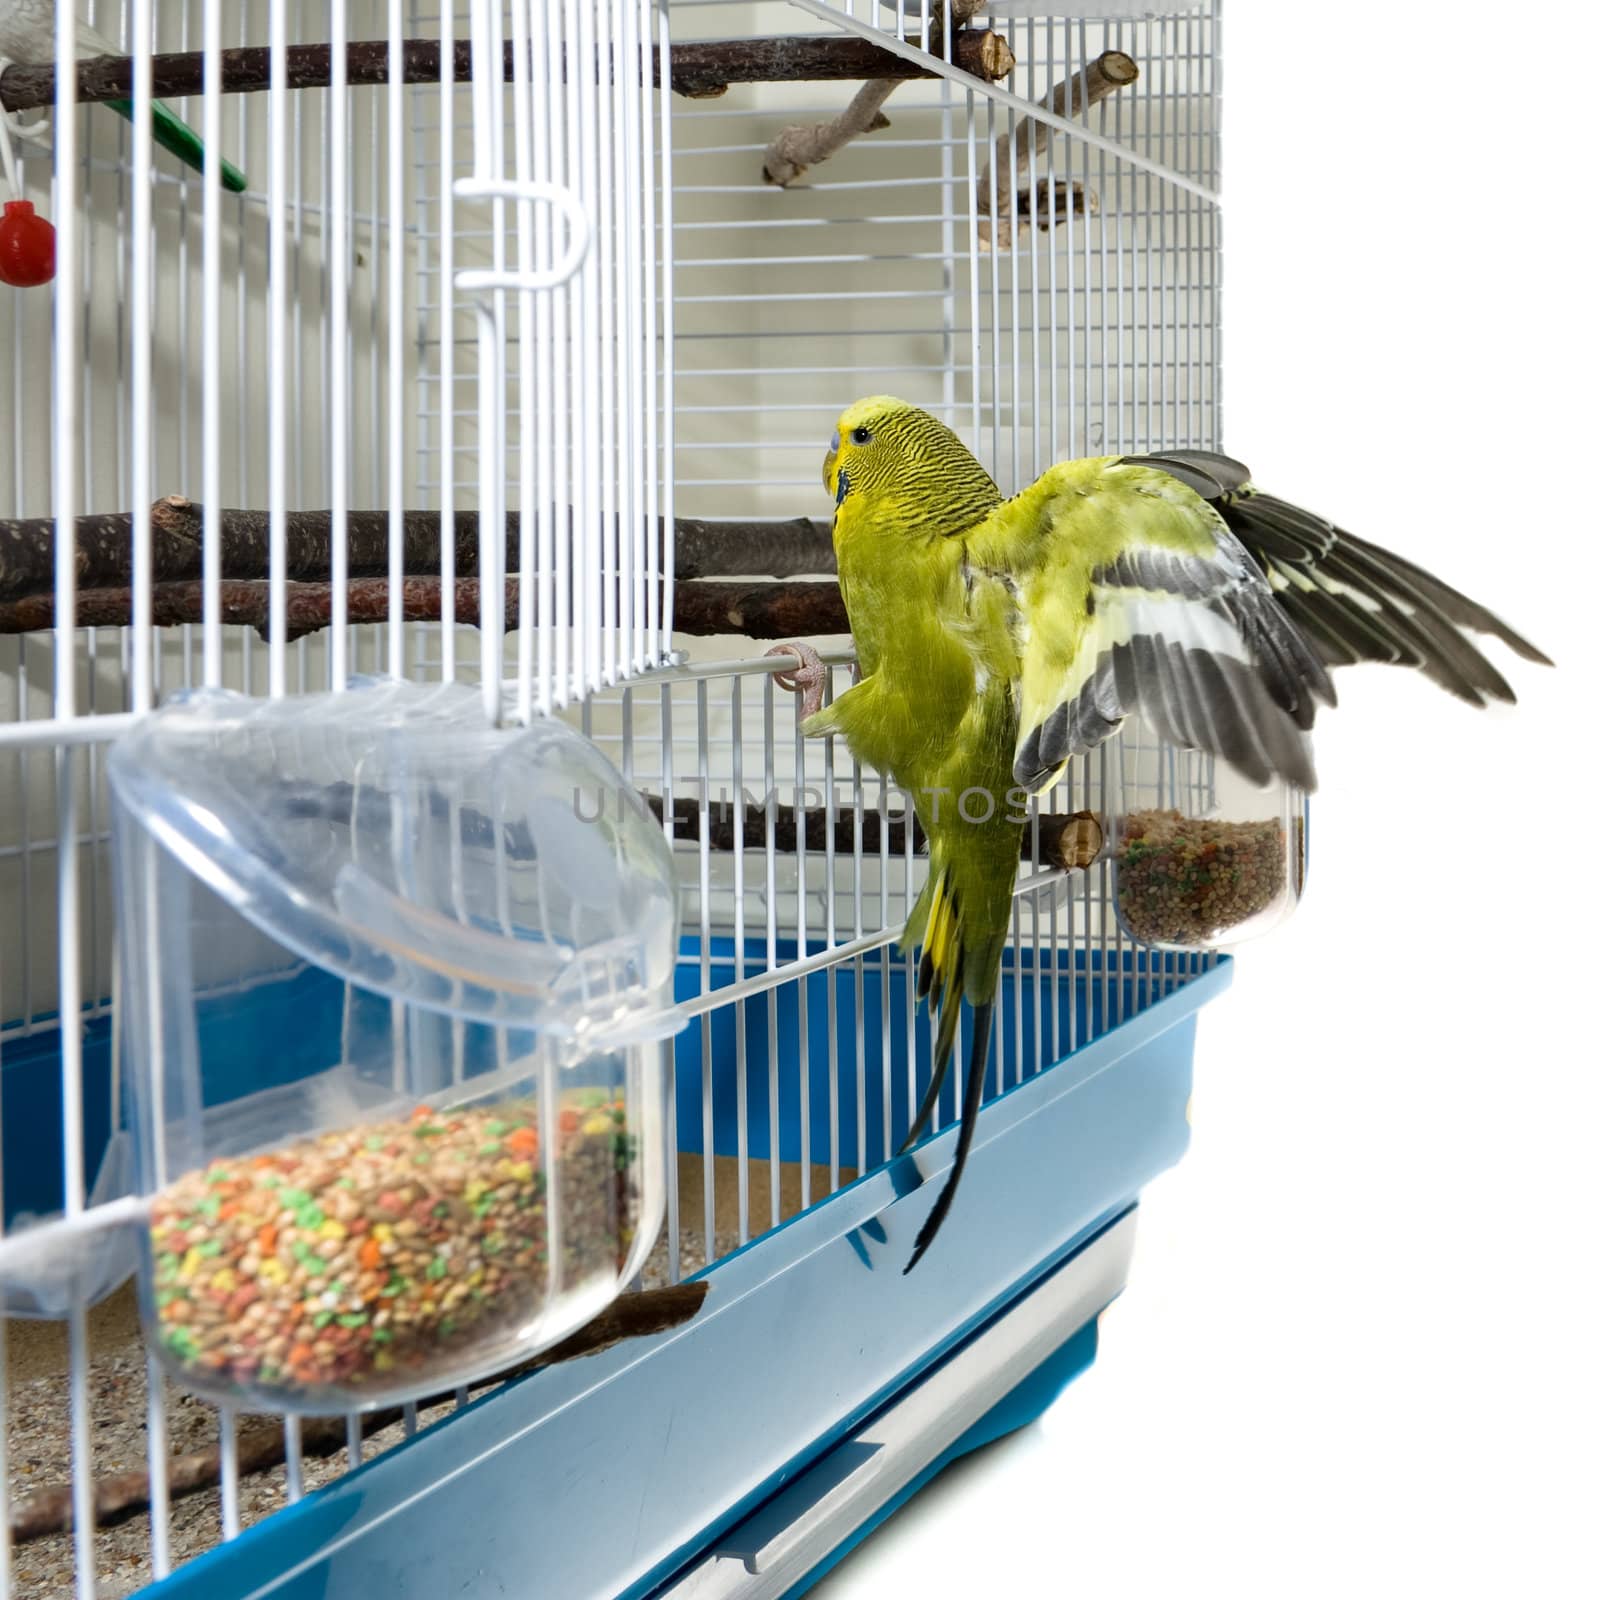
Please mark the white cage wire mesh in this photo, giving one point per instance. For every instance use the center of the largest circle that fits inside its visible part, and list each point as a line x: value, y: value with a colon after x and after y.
x: 372, y: 327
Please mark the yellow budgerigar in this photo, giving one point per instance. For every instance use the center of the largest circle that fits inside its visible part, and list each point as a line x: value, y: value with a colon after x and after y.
x: 999, y: 638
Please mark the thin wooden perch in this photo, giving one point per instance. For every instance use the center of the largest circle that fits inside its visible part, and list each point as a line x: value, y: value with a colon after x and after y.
x: 805, y: 144
x: 1042, y: 198
x: 1067, y: 840
x: 126, y: 1494
x: 755, y: 611
x: 700, y: 68
x: 103, y: 546
x: 760, y: 610
x: 103, y: 550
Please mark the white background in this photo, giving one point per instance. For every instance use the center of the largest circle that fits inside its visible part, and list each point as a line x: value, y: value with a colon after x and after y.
x: 1360, y: 1352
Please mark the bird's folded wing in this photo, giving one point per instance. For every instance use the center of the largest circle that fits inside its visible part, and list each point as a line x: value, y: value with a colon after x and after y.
x: 1130, y: 594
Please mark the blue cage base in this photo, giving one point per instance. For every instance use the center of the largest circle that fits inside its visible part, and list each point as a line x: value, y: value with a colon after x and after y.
x: 817, y: 1388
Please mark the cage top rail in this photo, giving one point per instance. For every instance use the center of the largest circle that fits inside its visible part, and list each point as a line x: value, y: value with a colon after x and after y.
x: 700, y: 69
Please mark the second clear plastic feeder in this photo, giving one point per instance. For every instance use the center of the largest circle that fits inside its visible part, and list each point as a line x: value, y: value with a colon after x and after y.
x: 1201, y: 857
x: 397, y: 986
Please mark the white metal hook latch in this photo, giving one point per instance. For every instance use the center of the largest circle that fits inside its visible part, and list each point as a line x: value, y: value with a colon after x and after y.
x: 474, y: 280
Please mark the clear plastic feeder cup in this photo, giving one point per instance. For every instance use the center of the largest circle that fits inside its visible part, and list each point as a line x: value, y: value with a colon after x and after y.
x: 1202, y: 858
x: 397, y: 987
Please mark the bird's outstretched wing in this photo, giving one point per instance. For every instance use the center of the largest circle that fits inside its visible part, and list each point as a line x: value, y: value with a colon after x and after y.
x: 1129, y: 593
x: 1352, y: 600
x: 1170, y: 586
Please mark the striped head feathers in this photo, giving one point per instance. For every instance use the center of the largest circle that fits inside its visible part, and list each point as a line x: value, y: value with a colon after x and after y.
x: 888, y: 455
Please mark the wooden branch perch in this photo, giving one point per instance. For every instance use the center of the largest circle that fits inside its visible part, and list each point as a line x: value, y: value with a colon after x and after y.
x: 760, y: 610
x: 1034, y: 195
x: 755, y: 611
x: 104, y: 567
x: 103, y: 546
x: 805, y: 144
x: 127, y: 1494
x: 700, y: 68
x: 1068, y: 841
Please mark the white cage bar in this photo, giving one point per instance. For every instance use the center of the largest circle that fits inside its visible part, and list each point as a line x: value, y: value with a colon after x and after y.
x: 569, y: 296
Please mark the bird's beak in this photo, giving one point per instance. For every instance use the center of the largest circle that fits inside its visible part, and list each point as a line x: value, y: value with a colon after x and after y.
x: 830, y: 464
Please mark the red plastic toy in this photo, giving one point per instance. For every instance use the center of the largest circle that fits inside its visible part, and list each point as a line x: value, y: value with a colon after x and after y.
x: 27, y: 246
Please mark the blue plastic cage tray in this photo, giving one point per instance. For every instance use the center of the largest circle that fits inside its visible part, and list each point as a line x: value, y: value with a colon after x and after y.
x: 709, y: 1460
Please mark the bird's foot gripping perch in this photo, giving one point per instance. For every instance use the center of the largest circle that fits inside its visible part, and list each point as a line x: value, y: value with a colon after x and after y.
x: 808, y: 680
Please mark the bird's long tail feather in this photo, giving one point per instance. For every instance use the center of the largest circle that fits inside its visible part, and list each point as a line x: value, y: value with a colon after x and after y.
x: 962, y: 932
x: 938, y: 921
x: 181, y: 140
x: 943, y: 1049
x: 977, y: 1065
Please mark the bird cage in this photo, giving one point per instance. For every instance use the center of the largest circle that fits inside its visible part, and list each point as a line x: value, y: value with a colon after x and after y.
x: 501, y: 372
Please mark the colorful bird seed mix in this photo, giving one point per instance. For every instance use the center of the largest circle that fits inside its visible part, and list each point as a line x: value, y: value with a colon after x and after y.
x: 1185, y: 880
x: 377, y: 1256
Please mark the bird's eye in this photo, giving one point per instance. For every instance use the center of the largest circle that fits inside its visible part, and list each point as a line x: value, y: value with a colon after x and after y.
x: 860, y: 436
